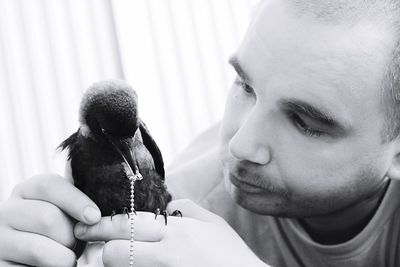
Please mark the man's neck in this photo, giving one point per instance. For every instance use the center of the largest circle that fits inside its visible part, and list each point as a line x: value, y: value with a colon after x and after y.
x: 343, y: 225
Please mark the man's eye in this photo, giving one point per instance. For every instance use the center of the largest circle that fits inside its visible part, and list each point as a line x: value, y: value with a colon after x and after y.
x: 247, y: 88
x: 304, y: 127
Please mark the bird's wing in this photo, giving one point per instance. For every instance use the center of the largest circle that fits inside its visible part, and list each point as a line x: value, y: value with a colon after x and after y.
x: 152, y: 147
x: 69, y: 144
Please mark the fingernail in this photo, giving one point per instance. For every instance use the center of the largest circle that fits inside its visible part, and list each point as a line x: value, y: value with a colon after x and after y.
x: 80, y: 230
x: 91, y: 214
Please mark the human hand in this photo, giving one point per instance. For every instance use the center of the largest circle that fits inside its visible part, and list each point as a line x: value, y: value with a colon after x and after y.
x: 200, y: 238
x: 36, y: 222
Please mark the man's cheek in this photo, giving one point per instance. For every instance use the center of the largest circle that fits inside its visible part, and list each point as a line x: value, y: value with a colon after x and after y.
x: 311, y: 177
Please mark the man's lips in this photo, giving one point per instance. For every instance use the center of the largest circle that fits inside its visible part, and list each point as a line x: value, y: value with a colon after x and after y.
x: 245, y: 186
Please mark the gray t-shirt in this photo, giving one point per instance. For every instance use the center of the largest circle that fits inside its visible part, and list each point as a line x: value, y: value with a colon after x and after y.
x: 282, y: 242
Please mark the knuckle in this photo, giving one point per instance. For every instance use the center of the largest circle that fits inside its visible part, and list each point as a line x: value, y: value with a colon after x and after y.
x: 39, y: 183
x: 43, y: 182
x: 108, y: 252
x: 158, y: 231
x: 37, y: 255
x: 99, y: 230
x: 18, y: 188
x: 8, y: 210
x: 122, y: 223
x: 35, y: 252
x: 6, y: 241
x: 50, y: 218
x: 69, y: 260
x: 69, y: 239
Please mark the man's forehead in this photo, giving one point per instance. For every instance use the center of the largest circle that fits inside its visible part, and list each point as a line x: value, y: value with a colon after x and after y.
x: 277, y: 40
x: 341, y: 63
x: 338, y: 11
x: 369, y: 34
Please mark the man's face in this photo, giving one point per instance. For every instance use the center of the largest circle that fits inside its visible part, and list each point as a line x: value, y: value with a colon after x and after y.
x: 302, y: 131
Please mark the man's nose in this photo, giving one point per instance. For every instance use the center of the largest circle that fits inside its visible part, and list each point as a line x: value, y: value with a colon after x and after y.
x: 249, y: 143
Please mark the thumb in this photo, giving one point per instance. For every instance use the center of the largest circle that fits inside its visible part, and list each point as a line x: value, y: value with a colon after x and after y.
x: 191, y: 210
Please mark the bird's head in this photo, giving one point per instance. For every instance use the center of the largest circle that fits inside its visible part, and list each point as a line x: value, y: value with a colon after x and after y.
x: 109, y: 107
x: 109, y: 112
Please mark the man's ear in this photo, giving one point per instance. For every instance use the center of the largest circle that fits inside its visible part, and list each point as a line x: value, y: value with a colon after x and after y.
x: 394, y: 168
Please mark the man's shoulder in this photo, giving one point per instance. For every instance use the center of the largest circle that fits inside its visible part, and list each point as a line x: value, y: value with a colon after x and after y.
x: 198, y: 169
x: 196, y: 178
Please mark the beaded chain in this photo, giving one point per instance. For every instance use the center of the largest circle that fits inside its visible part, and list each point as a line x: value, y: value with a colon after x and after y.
x: 132, y: 221
x: 133, y: 177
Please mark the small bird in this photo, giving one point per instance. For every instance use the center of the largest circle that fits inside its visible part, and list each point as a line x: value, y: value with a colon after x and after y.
x: 110, y: 144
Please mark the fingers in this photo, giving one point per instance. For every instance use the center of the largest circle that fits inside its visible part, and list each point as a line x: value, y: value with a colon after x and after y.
x: 42, y: 218
x: 68, y: 172
x: 35, y: 250
x: 9, y: 263
x: 191, y: 210
x: 116, y: 254
x: 58, y: 191
x: 146, y: 228
x: 34, y: 230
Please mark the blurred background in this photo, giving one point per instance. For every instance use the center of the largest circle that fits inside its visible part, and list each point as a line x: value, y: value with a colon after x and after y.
x: 173, y: 52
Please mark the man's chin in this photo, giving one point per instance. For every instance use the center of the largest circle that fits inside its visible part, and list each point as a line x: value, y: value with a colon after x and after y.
x: 267, y: 204
x: 239, y: 196
x: 254, y: 202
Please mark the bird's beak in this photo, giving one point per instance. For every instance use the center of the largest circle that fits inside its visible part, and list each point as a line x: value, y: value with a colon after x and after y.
x: 125, y: 148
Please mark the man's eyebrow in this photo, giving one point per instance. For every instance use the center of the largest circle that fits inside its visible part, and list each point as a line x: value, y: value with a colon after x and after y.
x: 234, y: 61
x: 321, y: 115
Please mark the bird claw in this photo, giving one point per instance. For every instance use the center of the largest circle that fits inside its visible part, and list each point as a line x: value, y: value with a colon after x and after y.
x: 165, y: 214
x: 176, y: 213
x: 112, y: 214
x: 126, y: 211
x: 157, y: 212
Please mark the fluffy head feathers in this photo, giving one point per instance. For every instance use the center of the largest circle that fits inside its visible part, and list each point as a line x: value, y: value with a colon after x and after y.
x: 109, y: 106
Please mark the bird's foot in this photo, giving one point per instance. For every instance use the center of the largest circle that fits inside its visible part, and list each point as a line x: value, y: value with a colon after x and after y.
x: 165, y: 214
x: 112, y: 214
x: 177, y: 213
x: 126, y: 211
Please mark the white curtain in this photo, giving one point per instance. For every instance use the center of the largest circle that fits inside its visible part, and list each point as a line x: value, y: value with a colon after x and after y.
x: 174, y: 52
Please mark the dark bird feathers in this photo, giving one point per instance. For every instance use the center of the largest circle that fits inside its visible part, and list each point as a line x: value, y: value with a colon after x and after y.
x: 110, y: 126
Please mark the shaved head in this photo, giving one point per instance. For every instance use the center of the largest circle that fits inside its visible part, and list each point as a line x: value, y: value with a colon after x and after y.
x: 384, y: 14
x: 347, y: 10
